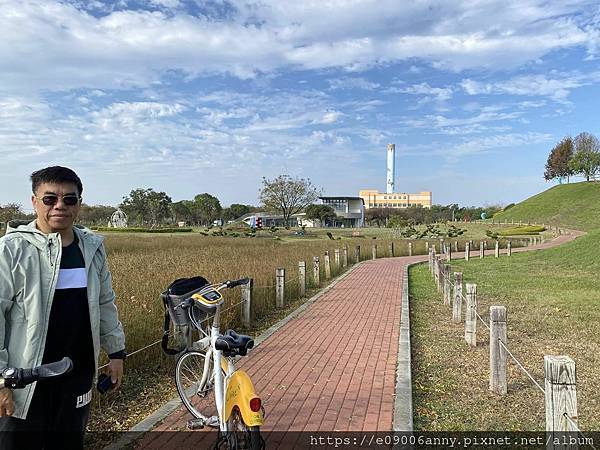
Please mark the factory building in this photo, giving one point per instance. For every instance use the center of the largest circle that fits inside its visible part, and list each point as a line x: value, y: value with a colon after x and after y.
x: 390, y: 199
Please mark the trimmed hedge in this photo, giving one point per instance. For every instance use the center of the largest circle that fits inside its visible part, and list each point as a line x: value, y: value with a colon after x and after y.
x: 528, y: 230
x: 143, y: 230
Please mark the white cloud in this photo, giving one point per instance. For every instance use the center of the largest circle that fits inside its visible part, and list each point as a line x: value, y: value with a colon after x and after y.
x: 440, y: 122
x: 495, y: 142
x: 353, y: 83
x: 55, y: 46
x: 556, y: 86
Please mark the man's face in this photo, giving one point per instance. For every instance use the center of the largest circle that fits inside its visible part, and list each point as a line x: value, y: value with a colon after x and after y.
x: 57, y: 217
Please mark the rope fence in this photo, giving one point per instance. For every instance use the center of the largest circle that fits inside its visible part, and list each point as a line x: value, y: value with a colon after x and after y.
x: 559, y: 371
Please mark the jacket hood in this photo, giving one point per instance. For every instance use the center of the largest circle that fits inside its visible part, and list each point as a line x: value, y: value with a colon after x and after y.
x: 28, y: 231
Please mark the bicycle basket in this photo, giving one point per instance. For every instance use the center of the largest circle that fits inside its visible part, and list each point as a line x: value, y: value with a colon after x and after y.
x: 178, y: 292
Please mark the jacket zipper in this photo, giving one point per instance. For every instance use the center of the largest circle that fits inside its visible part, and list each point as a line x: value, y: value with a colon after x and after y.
x: 50, y: 252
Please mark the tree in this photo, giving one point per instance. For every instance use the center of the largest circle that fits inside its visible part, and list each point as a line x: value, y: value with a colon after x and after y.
x: 586, y: 160
x: 324, y: 213
x: 235, y: 211
x: 287, y: 195
x: 182, y: 211
x: 11, y: 211
x: 378, y: 215
x: 95, y: 215
x: 159, y: 206
x: 146, y: 205
x: 558, y: 164
x: 207, y: 207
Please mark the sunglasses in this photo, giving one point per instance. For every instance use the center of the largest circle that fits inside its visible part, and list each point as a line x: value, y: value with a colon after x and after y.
x: 51, y: 200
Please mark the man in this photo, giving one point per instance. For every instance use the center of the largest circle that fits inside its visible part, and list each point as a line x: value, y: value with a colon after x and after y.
x: 56, y: 299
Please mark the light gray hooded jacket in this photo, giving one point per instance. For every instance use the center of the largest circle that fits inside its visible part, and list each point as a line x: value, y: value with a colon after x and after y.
x: 29, y: 265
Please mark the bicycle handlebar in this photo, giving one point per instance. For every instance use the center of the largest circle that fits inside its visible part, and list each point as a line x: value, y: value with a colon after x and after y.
x: 234, y: 283
x: 13, y: 378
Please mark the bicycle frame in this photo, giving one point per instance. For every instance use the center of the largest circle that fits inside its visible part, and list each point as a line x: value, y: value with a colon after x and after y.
x: 233, y: 388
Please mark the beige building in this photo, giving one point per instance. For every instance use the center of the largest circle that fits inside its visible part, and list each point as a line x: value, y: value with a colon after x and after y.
x: 376, y: 199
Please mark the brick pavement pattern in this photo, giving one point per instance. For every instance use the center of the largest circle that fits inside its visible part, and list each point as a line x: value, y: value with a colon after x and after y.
x: 333, y: 367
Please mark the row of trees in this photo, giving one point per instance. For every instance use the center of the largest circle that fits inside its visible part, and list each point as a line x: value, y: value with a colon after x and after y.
x: 579, y: 156
x: 284, y: 195
x: 148, y: 207
x: 391, y: 217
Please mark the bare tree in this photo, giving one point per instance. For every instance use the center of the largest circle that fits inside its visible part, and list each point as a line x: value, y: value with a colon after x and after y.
x: 287, y: 195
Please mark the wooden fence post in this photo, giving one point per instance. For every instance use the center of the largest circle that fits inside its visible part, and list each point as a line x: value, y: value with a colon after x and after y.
x: 561, y: 394
x: 449, y: 252
x: 410, y: 249
x: 497, y: 351
x: 467, y: 251
x: 336, y: 257
x: 426, y: 246
x: 509, y: 249
x: 374, y: 251
x: 457, y: 304
x: 247, y: 303
x: 316, y: 271
x: 433, y: 261
x: 497, y: 250
x: 456, y: 246
x: 442, y: 247
x: 470, y: 315
x: 440, y: 269
x: 280, y: 288
x: 327, y: 266
x: 391, y: 248
x: 357, y: 254
x: 481, y: 250
x: 447, y: 284
x: 302, y: 277
x: 345, y: 257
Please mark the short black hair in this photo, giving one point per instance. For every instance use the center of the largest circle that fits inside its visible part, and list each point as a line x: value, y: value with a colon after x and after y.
x: 55, y: 174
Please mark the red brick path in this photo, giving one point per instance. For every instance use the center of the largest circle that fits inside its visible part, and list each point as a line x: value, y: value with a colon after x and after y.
x: 332, y: 368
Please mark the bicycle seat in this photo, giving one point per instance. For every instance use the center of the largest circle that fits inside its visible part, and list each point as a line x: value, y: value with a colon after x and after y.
x: 232, y: 344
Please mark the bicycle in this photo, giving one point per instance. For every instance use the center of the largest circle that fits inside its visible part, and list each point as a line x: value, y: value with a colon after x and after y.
x: 239, y: 411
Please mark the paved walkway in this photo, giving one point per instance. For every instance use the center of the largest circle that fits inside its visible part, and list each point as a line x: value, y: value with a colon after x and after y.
x: 333, y: 367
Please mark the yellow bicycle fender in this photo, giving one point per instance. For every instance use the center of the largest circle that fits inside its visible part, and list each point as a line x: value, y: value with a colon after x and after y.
x: 240, y: 391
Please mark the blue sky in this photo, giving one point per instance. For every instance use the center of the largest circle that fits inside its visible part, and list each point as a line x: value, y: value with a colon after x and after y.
x: 190, y: 96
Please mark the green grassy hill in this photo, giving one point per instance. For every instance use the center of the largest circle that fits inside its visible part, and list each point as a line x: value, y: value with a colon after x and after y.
x: 575, y: 205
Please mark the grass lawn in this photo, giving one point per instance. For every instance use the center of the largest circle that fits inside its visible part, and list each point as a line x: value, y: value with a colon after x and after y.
x: 573, y: 205
x: 553, y: 309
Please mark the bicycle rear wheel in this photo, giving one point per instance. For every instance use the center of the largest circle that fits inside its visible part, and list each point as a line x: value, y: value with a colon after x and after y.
x: 188, y: 375
x: 241, y: 436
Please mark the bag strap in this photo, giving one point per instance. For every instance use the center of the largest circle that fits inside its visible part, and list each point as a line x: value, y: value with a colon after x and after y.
x: 167, y: 324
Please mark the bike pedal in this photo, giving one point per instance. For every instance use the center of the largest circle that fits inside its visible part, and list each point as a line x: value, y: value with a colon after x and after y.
x: 195, y: 424
x: 212, y: 421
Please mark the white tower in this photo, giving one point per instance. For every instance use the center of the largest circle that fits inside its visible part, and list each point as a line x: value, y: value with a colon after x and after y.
x: 391, y: 164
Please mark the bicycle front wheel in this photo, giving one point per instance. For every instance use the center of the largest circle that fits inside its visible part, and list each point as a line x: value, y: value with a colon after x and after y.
x: 241, y: 436
x: 194, y: 394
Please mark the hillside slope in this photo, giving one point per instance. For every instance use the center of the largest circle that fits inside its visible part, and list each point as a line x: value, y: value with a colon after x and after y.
x: 575, y: 205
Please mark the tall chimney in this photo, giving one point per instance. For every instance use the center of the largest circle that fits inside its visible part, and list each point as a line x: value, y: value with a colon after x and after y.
x: 391, y: 153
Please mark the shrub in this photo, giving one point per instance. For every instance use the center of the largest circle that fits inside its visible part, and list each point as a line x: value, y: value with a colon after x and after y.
x: 522, y: 231
x: 143, y: 230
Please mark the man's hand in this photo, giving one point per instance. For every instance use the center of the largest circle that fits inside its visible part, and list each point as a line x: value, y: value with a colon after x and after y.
x: 115, y: 370
x: 7, y: 406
